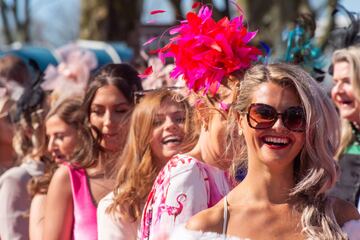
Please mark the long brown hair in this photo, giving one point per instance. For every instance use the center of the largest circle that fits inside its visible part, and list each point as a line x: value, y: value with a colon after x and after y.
x: 125, y: 79
x: 137, y: 169
x: 69, y: 111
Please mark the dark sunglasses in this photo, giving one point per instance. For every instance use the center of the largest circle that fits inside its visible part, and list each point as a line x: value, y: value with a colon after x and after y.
x: 263, y: 116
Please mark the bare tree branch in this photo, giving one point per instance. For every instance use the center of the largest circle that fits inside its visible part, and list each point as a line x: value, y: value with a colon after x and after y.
x: 177, y: 7
x: 216, y: 12
x: 27, y: 21
x: 109, y: 20
x: 6, y: 26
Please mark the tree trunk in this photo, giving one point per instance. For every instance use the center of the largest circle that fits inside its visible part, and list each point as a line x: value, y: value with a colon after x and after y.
x: 21, y: 30
x: 217, y: 14
x: 108, y: 20
x: 177, y: 7
x: 27, y: 22
x: 6, y: 28
x: 330, y: 23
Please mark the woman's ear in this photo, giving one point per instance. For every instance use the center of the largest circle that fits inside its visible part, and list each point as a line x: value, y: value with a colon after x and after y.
x: 203, y: 113
x: 239, y: 118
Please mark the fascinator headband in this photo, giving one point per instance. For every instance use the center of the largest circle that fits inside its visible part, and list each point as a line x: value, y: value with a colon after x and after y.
x: 73, y: 71
x: 346, y: 36
x: 71, y: 76
x: 301, y: 49
x: 206, y: 51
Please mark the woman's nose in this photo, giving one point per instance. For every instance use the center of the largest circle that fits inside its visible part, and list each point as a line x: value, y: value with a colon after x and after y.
x: 108, y: 118
x: 338, y: 88
x: 279, y: 124
x: 169, y: 124
x: 51, y: 144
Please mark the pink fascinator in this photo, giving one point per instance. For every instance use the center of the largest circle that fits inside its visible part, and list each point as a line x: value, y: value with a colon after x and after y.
x: 158, y: 74
x: 206, y: 52
x: 9, y: 90
x: 72, y: 74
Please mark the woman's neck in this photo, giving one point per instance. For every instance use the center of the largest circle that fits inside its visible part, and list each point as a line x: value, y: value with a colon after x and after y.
x: 106, y: 162
x: 98, y: 168
x: 196, y: 152
x: 201, y: 151
x: 265, y: 184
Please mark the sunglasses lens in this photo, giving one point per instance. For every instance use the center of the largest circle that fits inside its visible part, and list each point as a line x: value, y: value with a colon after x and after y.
x: 294, y: 119
x: 261, y: 116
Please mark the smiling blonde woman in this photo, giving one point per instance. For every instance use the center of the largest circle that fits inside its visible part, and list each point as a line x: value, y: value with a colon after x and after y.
x: 290, y: 133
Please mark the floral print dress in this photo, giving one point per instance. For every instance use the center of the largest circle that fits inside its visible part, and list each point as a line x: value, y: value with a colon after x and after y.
x: 184, y: 187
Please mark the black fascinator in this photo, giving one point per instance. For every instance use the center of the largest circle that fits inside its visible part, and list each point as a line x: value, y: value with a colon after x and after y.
x: 346, y: 36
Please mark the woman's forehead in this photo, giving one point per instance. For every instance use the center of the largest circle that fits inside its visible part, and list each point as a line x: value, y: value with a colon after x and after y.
x: 169, y: 106
x: 275, y: 95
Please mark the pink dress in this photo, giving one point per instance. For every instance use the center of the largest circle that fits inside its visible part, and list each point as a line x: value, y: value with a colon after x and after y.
x: 184, y: 187
x: 85, y: 224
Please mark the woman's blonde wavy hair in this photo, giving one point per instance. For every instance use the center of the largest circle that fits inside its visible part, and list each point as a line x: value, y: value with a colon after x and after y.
x: 314, y: 167
x: 351, y: 55
x: 136, y: 167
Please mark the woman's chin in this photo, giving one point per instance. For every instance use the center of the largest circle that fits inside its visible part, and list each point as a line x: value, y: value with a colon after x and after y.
x: 111, y: 148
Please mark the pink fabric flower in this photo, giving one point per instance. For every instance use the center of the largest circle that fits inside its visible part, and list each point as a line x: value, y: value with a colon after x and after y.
x: 10, y: 89
x: 74, y: 68
x: 72, y: 74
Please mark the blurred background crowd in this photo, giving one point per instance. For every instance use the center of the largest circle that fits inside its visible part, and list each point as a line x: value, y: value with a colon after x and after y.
x: 90, y: 114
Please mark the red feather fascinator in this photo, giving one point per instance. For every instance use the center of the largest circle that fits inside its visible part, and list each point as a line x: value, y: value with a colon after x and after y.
x: 206, y: 51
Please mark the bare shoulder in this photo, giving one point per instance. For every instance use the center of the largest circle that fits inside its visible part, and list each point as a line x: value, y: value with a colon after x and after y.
x: 61, y: 174
x: 61, y: 180
x: 38, y: 201
x: 344, y: 211
x: 58, y: 221
x: 37, y: 210
x: 209, y: 220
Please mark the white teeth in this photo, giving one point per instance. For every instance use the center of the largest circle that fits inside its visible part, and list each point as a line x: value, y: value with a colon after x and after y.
x: 277, y: 140
x: 171, y: 139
